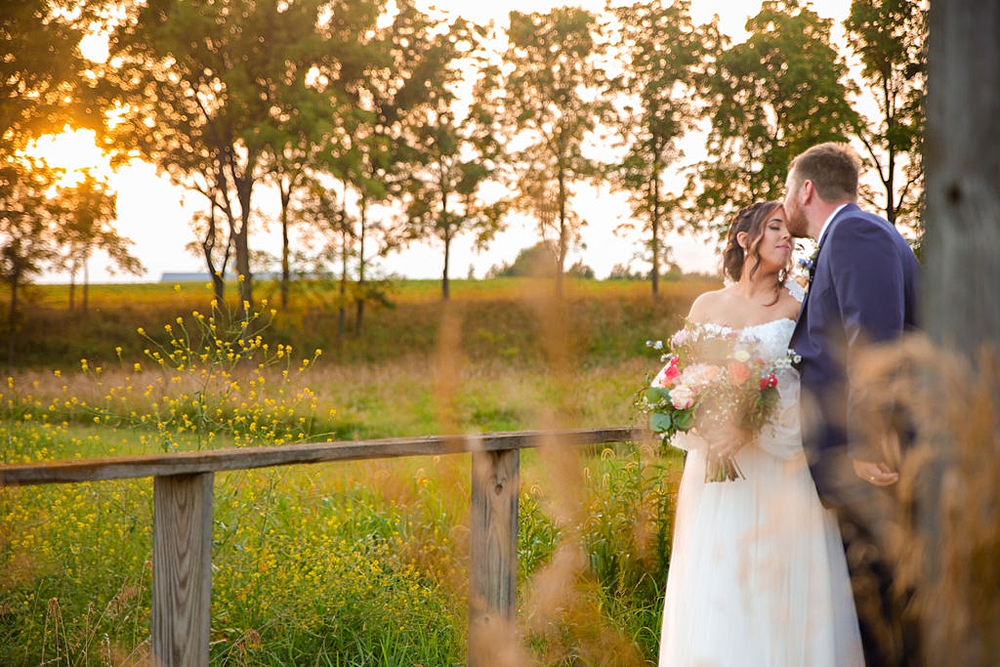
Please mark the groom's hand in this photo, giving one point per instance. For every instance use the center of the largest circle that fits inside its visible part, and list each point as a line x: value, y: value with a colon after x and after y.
x: 875, y: 472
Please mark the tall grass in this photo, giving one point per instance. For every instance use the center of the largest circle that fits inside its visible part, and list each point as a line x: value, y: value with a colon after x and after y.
x: 498, y: 320
x: 353, y: 563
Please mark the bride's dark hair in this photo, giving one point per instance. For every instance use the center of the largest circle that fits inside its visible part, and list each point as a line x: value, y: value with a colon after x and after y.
x: 750, y: 220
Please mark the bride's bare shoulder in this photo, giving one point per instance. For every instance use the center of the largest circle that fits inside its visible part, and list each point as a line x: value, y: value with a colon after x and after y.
x: 706, y: 306
x: 789, y: 304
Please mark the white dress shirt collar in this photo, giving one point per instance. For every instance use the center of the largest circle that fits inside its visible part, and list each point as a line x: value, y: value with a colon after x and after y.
x: 826, y: 224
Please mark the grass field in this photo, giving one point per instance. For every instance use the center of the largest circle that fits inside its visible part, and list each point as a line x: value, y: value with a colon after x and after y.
x: 337, y: 564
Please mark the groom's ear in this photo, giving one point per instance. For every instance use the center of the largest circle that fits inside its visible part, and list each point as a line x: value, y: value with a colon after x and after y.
x: 808, y: 191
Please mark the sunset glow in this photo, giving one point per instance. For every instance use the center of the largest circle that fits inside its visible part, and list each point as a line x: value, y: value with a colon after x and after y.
x: 73, y: 151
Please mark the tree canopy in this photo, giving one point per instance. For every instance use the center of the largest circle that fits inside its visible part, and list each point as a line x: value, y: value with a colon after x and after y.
x: 421, y: 127
x: 768, y: 99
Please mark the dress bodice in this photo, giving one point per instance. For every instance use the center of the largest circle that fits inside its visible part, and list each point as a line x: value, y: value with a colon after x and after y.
x: 781, y: 435
x: 769, y: 338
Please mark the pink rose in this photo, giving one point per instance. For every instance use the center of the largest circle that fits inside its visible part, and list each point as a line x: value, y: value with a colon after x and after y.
x: 665, y: 378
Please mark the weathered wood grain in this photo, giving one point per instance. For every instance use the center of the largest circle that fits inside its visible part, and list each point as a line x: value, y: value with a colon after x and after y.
x: 182, y: 570
x: 189, y: 463
x: 493, y: 553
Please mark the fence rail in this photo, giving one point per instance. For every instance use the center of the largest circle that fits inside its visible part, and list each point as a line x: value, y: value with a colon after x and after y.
x: 182, y: 521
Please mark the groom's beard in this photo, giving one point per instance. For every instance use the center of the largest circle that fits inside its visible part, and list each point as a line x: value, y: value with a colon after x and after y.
x: 795, y: 220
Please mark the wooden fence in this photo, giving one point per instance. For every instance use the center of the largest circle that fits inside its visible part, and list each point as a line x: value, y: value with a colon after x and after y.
x: 182, y: 521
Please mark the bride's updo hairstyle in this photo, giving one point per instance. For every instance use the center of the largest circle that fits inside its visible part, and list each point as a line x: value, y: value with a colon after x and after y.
x: 750, y: 220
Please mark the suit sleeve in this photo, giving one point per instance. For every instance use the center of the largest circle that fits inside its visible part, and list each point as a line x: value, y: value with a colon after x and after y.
x: 869, y: 280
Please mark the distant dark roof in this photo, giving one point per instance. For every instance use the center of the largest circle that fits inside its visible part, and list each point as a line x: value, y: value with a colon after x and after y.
x: 181, y: 277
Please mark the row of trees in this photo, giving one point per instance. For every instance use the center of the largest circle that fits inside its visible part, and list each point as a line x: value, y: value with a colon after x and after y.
x: 380, y: 124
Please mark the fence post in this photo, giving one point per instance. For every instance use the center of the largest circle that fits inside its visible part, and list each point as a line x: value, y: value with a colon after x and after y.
x: 493, y: 555
x: 182, y: 570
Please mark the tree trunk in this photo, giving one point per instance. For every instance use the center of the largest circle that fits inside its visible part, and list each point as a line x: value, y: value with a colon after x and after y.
x: 563, y: 236
x: 86, y: 286
x: 286, y: 197
x: 655, y: 223
x: 242, y: 179
x: 890, y: 187
x: 361, y: 295
x: 961, y: 306
x: 342, y: 303
x: 345, y: 254
x: 962, y: 240
x: 241, y: 244
x: 445, y: 285
x: 447, y: 229
x: 14, y: 282
x: 207, y: 247
x: 72, y: 290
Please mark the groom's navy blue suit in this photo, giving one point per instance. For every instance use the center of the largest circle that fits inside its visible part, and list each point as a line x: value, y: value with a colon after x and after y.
x: 864, y: 289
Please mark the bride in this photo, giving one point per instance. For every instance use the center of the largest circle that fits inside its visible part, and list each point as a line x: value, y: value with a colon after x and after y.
x: 757, y: 572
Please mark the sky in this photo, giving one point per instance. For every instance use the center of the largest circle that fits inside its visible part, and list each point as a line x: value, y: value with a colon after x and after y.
x: 152, y: 213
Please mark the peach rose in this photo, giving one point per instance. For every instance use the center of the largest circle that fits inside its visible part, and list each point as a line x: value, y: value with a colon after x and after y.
x: 738, y: 373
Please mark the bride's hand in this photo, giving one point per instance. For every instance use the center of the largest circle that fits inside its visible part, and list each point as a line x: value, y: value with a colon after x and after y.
x: 726, y: 441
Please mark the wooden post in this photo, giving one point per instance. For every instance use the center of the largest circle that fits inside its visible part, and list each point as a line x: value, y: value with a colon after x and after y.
x: 493, y: 555
x: 182, y: 570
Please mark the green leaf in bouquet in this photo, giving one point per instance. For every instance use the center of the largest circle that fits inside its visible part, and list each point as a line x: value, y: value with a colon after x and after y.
x: 654, y: 394
x: 660, y: 422
x: 684, y: 420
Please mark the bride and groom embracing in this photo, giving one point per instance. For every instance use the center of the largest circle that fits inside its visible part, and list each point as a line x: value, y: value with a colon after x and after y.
x: 787, y: 566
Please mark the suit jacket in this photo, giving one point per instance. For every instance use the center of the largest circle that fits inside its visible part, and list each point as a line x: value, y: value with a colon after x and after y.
x: 864, y: 289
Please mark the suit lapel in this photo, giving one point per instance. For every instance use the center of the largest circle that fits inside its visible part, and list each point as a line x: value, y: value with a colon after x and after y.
x: 816, y: 256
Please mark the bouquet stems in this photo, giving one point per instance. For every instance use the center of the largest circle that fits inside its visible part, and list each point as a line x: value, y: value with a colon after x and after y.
x: 719, y: 468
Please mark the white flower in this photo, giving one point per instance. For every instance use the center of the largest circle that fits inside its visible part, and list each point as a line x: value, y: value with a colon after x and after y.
x: 682, y: 397
x: 697, y: 375
x: 741, y: 356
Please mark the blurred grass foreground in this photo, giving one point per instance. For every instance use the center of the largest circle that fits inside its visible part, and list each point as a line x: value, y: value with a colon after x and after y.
x: 361, y: 563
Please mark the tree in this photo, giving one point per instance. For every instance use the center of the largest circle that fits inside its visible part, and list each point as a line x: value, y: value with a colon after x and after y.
x: 958, y: 503
x: 327, y: 231
x: 890, y: 36
x: 548, y: 99
x: 537, y: 261
x: 41, y: 72
x: 306, y: 136
x: 769, y: 98
x: 45, y: 84
x: 201, y: 81
x: 400, y: 84
x: 27, y: 230
x: 86, y: 210
x: 450, y: 158
x: 661, y: 50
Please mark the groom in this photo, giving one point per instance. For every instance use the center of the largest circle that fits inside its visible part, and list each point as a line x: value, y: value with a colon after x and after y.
x: 864, y: 289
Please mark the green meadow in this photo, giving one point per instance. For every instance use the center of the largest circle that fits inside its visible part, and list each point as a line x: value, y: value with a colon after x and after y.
x: 357, y: 563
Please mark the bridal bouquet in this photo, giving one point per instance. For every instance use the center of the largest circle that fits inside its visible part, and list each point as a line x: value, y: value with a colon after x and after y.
x: 712, y: 379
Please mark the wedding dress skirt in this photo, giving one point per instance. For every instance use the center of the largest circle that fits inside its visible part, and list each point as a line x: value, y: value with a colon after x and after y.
x: 758, y: 575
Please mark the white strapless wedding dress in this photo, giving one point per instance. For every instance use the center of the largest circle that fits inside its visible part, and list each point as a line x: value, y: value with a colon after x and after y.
x: 758, y: 575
